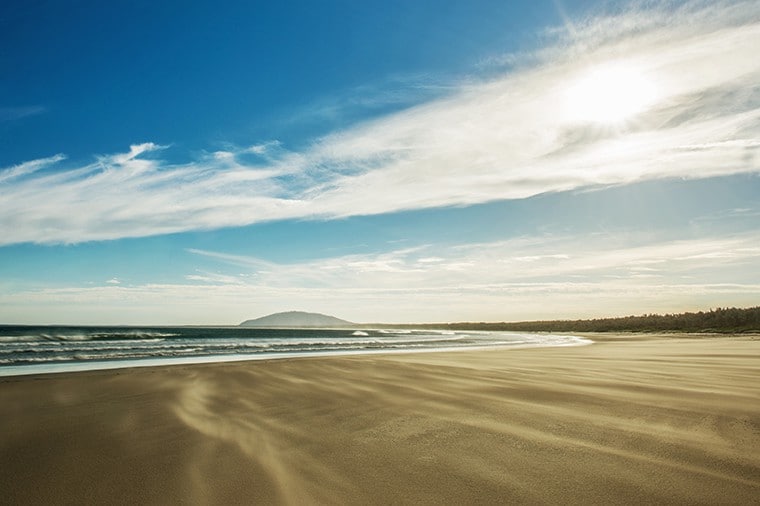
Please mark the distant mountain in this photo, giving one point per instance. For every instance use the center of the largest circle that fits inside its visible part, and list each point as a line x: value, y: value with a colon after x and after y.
x: 296, y: 319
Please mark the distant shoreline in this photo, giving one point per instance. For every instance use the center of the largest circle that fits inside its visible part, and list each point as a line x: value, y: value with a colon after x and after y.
x: 715, y: 321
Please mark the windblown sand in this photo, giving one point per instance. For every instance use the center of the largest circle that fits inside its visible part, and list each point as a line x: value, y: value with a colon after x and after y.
x: 628, y: 420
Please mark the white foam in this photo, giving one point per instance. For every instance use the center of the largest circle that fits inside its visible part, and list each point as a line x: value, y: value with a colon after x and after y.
x: 335, y: 348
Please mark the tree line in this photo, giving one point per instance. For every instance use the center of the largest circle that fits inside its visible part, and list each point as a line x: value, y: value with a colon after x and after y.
x: 723, y: 320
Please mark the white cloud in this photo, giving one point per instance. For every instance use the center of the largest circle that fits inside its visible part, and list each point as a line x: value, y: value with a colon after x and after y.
x: 522, y: 260
x: 509, y: 137
x: 26, y: 168
x: 564, y: 277
x: 14, y: 113
x: 215, y: 278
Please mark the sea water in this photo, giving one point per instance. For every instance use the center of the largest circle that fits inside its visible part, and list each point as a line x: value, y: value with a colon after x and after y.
x: 45, y: 349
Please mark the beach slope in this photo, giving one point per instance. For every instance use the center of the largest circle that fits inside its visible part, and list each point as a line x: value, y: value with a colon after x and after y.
x: 628, y: 420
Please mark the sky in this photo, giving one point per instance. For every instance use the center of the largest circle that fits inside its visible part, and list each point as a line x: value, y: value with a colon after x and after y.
x: 398, y: 161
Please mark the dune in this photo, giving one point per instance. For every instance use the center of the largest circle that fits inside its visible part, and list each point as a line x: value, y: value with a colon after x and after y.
x: 628, y: 420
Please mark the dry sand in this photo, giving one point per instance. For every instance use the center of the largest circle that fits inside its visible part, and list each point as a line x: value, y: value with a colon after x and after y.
x: 629, y: 420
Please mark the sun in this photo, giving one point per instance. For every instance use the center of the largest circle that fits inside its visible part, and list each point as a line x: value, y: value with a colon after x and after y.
x: 610, y: 93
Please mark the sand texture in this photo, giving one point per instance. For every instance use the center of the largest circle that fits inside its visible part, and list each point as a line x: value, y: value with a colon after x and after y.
x: 625, y: 421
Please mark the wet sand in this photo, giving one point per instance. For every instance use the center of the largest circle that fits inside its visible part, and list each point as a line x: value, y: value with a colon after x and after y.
x: 628, y: 420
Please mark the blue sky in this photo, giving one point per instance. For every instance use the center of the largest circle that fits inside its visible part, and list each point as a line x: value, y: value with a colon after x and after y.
x: 166, y: 163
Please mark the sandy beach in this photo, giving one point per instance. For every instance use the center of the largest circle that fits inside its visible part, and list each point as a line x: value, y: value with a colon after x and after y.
x: 627, y: 420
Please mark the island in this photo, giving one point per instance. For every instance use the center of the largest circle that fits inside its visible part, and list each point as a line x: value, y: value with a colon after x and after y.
x: 297, y: 319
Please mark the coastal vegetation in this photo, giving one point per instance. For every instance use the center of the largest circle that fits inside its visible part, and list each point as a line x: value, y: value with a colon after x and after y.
x: 719, y: 320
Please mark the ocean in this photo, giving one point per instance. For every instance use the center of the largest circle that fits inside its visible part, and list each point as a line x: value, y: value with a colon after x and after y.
x: 47, y: 349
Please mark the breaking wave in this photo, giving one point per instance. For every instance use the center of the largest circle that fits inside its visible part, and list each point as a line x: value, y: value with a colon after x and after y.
x: 27, y: 347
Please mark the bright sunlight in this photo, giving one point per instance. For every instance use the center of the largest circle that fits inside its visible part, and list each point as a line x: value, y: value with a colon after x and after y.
x: 612, y: 93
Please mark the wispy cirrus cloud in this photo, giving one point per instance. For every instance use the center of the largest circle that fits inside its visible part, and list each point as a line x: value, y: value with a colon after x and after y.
x: 505, y: 137
x: 229, y: 304
x: 521, y: 260
x: 14, y: 113
x: 24, y: 169
x: 521, y: 278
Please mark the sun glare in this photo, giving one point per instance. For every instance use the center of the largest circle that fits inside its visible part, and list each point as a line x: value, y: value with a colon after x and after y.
x: 609, y: 94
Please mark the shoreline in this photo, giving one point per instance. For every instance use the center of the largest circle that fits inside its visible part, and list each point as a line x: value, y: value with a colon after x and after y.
x: 115, y: 364
x: 631, y: 419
